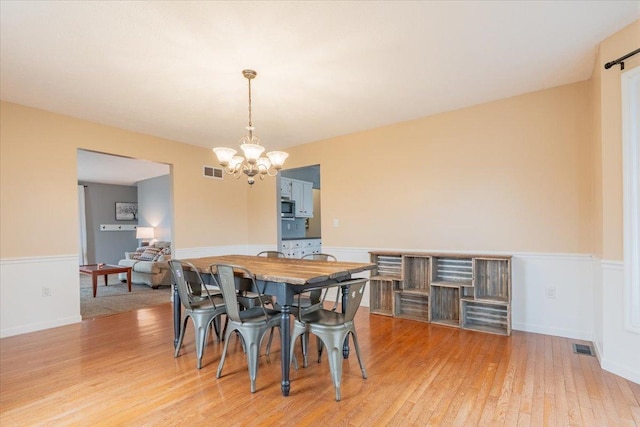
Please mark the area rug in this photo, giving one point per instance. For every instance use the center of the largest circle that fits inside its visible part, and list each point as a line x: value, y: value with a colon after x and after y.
x: 115, y: 298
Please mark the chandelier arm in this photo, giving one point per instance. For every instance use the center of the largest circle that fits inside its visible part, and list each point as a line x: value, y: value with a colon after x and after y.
x: 237, y: 173
x: 229, y: 170
x: 267, y: 171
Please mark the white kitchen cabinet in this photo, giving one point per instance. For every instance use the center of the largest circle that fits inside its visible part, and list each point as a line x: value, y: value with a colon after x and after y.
x: 312, y: 246
x: 291, y: 248
x: 285, y: 188
x: 302, y: 194
x: 300, y: 247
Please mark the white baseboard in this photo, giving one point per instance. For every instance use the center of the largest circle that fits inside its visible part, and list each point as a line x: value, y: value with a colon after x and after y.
x: 39, y: 326
x: 621, y: 369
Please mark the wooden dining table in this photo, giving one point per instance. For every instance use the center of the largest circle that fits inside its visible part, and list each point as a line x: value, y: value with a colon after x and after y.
x: 283, y: 278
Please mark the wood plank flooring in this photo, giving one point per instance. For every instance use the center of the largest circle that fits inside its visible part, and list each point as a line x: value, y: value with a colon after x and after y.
x: 120, y: 370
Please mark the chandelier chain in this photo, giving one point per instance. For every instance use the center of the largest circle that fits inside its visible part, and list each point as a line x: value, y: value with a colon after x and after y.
x: 250, y: 122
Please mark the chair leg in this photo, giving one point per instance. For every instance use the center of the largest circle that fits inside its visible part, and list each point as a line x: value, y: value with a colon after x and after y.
x: 357, y: 347
x: 334, y: 342
x: 181, y: 337
x: 335, y: 365
x: 253, y: 352
x: 298, y: 330
x: 304, y: 340
x: 201, y: 330
x: 319, y: 341
x: 224, y: 330
x: 269, y: 343
x: 224, y: 353
x: 216, y: 327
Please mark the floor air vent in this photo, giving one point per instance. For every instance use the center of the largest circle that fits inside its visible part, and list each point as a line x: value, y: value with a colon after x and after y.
x: 583, y: 349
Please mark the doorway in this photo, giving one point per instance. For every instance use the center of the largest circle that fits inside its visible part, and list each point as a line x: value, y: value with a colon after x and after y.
x: 106, y: 183
x: 301, y: 186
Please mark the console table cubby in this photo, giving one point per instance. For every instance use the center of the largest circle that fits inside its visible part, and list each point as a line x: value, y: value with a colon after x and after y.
x: 460, y: 290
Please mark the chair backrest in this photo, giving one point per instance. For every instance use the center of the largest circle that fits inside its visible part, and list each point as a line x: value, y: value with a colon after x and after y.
x: 272, y: 254
x: 223, y: 274
x: 320, y: 257
x: 354, y: 297
x: 320, y: 294
x: 189, y: 283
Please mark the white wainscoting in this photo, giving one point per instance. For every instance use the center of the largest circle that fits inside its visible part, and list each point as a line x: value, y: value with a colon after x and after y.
x: 24, y: 308
x: 569, y: 314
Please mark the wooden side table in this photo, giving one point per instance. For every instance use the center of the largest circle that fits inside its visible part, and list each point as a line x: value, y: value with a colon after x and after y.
x: 95, y: 270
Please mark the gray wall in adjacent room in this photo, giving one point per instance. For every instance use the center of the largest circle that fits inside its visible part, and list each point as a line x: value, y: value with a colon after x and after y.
x: 100, y: 204
x: 154, y: 206
x: 293, y: 228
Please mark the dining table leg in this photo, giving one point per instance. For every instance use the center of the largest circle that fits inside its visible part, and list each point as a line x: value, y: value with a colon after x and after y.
x: 285, y: 339
x: 177, y: 308
x: 345, y: 346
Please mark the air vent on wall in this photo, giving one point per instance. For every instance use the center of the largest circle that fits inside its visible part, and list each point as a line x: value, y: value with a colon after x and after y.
x: 211, y: 172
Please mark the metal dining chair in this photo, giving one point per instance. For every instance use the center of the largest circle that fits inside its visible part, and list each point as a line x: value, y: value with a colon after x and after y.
x: 333, y: 328
x: 313, y: 300
x: 320, y: 257
x: 203, y: 307
x: 272, y: 254
x: 251, y: 323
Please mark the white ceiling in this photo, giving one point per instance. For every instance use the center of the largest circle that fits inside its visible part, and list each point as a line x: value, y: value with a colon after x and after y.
x: 173, y: 69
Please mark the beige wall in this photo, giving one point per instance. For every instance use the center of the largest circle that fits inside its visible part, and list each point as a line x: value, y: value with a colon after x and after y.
x: 609, y: 138
x: 596, y: 150
x: 262, y: 215
x: 39, y: 175
x: 511, y: 175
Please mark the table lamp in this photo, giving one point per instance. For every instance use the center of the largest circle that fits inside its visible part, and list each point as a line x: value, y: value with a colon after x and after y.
x: 145, y: 234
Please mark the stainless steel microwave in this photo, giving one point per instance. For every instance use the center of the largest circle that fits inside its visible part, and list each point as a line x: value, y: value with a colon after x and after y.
x: 287, y: 209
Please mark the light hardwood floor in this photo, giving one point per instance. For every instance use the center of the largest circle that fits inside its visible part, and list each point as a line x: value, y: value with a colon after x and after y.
x: 120, y: 370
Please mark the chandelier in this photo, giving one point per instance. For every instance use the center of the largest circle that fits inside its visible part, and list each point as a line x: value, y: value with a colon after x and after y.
x: 251, y: 164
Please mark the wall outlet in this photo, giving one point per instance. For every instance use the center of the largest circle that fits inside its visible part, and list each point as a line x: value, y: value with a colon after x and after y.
x: 336, y: 222
x: 551, y: 292
x: 46, y: 292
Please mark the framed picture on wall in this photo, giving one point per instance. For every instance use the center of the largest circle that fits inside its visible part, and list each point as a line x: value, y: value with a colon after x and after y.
x: 126, y: 211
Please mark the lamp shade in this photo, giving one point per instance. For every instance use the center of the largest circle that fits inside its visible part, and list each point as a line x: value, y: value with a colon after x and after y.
x: 144, y: 233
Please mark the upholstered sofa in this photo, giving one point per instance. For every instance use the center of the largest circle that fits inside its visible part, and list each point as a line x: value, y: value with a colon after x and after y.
x: 149, y: 265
